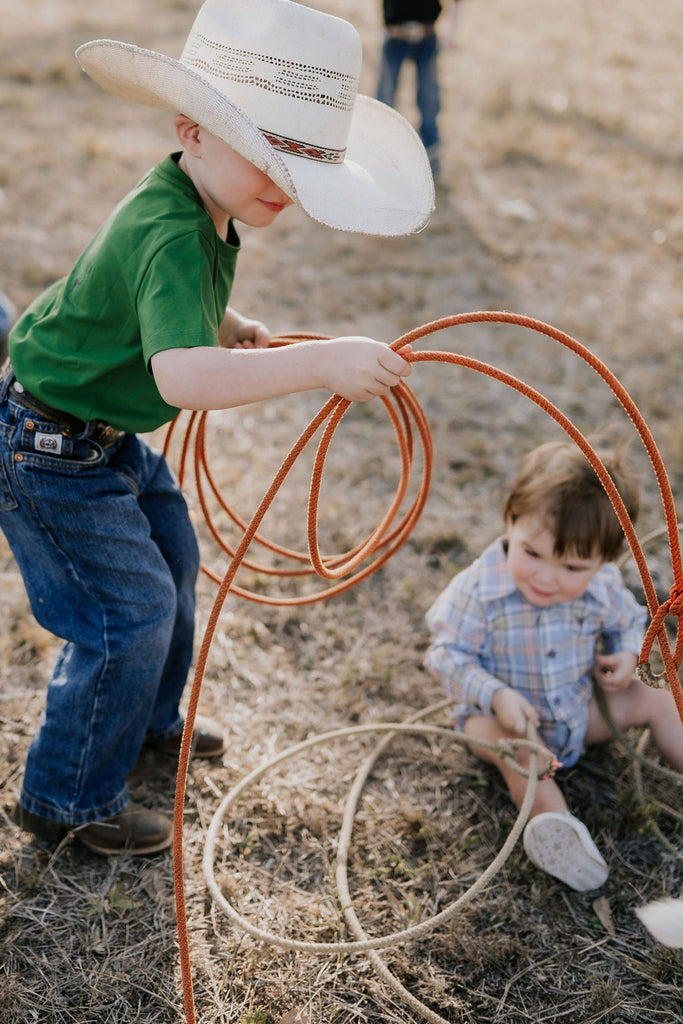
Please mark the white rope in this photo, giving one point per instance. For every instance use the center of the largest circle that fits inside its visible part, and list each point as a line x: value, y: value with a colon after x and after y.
x: 362, y: 942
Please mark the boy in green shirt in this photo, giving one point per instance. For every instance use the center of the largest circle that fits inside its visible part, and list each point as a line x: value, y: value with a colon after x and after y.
x: 267, y: 114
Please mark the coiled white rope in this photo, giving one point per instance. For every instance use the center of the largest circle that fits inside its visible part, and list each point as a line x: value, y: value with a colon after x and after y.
x: 364, y: 943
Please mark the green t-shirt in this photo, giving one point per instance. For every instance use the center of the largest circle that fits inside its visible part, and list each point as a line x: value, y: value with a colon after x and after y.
x: 155, y: 276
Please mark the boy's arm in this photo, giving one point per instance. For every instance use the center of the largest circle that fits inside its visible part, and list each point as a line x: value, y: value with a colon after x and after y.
x: 458, y: 625
x: 221, y: 378
x: 623, y: 635
x: 462, y: 675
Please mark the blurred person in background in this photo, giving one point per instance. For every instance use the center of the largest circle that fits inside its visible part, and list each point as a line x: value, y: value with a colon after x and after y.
x: 410, y: 34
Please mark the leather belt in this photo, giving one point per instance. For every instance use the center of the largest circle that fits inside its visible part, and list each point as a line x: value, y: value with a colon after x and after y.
x: 95, y: 430
x: 411, y: 31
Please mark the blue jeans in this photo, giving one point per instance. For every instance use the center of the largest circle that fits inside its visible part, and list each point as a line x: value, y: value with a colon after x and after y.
x: 423, y: 54
x: 109, y: 558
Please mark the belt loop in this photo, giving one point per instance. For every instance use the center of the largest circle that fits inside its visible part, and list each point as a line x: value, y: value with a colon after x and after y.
x: 7, y: 380
x: 85, y: 432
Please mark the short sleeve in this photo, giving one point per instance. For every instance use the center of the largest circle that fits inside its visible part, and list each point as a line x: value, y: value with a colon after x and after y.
x: 176, y: 299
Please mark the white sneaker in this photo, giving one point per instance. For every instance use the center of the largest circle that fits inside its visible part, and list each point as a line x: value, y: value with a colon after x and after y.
x: 561, y: 845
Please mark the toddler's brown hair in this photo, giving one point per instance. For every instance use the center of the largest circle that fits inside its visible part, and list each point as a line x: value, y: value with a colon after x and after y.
x: 557, y: 483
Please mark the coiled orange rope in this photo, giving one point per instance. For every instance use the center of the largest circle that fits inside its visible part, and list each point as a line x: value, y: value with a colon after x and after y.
x: 406, y: 416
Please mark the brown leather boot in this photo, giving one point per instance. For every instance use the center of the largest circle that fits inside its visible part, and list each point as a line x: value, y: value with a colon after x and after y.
x: 207, y: 740
x: 135, y: 831
x: 45, y: 829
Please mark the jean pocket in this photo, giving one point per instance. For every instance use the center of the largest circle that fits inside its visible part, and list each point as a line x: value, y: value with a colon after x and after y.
x: 44, y: 445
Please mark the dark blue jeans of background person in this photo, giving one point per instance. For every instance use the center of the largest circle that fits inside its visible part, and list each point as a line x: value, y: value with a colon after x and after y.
x: 423, y: 54
x: 109, y: 558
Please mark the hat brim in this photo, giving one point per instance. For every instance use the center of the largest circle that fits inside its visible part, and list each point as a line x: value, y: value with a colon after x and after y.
x: 383, y: 187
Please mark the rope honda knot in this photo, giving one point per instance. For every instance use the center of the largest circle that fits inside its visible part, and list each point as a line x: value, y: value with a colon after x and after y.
x: 674, y: 603
x: 555, y: 765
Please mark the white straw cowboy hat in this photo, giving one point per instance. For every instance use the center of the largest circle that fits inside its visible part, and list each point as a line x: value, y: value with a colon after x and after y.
x: 278, y: 82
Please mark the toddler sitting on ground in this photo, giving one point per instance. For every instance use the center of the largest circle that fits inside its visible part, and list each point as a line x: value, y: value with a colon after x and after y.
x: 525, y: 632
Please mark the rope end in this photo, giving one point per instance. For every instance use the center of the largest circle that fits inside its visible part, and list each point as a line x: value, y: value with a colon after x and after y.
x: 550, y: 773
x: 657, y: 681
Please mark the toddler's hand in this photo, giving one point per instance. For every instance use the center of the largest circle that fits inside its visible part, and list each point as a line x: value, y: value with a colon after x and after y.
x: 359, y: 368
x: 513, y: 711
x: 614, y: 672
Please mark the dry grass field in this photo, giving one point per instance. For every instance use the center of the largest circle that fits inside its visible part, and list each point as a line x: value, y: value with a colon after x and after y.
x: 560, y: 200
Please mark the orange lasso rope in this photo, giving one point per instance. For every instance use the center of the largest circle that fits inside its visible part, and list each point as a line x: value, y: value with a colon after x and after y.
x: 346, y: 570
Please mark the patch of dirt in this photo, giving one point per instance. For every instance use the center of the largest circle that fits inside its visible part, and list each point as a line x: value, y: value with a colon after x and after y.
x: 560, y: 200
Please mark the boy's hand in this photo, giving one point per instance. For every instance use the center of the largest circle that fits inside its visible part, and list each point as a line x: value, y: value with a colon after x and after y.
x: 614, y: 672
x: 359, y: 368
x: 513, y: 711
x: 237, y: 331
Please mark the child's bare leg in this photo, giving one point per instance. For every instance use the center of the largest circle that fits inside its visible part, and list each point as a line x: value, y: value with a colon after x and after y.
x: 554, y: 840
x: 636, y: 705
x: 548, y: 796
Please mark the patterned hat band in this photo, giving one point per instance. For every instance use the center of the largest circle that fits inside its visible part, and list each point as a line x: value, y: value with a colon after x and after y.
x: 297, y: 148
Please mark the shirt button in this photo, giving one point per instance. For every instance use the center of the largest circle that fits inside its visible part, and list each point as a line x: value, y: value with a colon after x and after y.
x: 551, y: 654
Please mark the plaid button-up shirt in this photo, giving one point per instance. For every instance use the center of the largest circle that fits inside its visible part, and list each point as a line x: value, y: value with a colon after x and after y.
x: 486, y: 635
